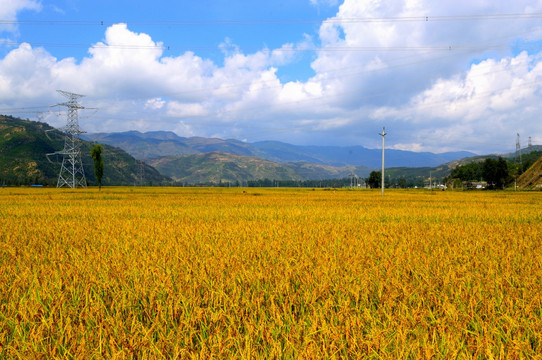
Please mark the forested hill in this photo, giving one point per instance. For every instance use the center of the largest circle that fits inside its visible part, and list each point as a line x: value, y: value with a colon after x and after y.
x: 24, y: 143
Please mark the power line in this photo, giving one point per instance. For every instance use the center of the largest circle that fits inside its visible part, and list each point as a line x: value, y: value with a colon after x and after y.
x: 234, y: 22
x: 437, y: 48
x: 295, y: 102
x: 171, y: 47
x: 345, y: 74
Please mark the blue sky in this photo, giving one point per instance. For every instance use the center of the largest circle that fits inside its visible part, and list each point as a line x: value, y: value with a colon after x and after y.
x: 69, y: 28
x: 440, y: 76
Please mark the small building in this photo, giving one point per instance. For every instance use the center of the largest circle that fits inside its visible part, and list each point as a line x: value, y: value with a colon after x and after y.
x: 476, y: 185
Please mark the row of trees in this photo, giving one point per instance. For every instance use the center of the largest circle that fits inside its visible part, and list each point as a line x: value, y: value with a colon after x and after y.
x: 497, y: 173
x: 374, y: 181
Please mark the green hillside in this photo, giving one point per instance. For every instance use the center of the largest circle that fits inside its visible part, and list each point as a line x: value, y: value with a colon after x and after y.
x: 217, y: 167
x: 24, y: 143
x: 309, y: 171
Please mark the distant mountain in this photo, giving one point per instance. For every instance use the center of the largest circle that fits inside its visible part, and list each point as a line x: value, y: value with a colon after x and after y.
x: 353, y: 155
x: 525, y: 151
x: 216, y: 167
x: 23, y: 145
x: 157, y: 144
x: 145, y: 145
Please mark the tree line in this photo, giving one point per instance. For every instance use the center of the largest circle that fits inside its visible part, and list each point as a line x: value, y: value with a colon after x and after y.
x: 497, y: 173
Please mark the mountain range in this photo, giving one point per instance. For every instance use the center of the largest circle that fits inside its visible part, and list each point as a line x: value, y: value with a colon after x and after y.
x: 196, y: 160
x: 163, y: 143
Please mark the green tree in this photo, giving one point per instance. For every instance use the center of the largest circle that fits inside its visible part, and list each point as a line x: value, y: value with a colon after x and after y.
x: 374, y: 180
x: 495, y: 172
x: 468, y: 172
x: 96, y: 154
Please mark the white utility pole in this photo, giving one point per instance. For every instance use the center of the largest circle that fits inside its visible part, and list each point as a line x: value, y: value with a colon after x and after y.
x: 383, y: 134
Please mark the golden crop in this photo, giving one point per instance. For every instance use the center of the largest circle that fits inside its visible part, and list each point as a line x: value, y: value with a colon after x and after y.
x: 269, y: 273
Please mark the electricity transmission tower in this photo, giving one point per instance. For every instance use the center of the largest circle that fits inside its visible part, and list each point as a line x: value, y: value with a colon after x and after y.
x: 518, y: 149
x: 530, y: 143
x: 383, y: 134
x: 71, y: 173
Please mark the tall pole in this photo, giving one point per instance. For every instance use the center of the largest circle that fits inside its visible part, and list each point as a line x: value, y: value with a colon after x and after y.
x: 383, y: 134
x: 518, y: 149
x: 72, y: 173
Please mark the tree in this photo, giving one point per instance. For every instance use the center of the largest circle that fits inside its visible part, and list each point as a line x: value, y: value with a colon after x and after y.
x: 468, y: 172
x: 374, y: 180
x: 96, y: 154
x: 495, y: 172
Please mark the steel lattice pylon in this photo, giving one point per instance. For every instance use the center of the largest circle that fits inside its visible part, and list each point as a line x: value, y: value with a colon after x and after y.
x: 72, y: 173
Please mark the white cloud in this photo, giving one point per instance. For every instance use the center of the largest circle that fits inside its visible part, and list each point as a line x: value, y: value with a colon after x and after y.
x: 488, y: 87
x: 180, y: 110
x: 409, y: 147
x: 484, y: 107
x: 10, y: 8
x: 25, y: 73
x: 472, y: 97
x: 155, y: 104
x: 184, y: 129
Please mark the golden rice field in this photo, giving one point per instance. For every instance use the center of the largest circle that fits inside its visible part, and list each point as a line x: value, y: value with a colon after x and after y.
x: 200, y: 273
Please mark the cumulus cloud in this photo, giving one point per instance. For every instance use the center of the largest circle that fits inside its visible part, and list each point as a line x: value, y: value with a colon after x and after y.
x: 485, y: 106
x: 436, y: 85
x: 10, y: 8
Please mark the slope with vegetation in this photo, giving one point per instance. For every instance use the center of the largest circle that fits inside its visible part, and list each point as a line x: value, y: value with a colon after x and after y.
x: 324, y: 172
x: 219, y: 167
x: 24, y: 143
x: 532, y: 178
